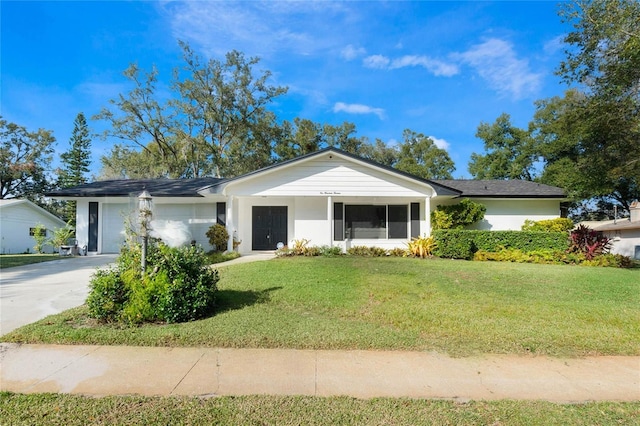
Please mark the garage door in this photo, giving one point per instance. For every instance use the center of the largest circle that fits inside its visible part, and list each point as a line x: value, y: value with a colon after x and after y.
x: 112, y: 227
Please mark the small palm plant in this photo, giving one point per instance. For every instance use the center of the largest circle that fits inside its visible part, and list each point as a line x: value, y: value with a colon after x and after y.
x: 61, y: 236
x: 422, y: 247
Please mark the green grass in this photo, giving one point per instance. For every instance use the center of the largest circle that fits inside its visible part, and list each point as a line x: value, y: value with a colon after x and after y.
x: 455, y: 307
x: 11, y: 260
x: 219, y: 257
x: 68, y: 410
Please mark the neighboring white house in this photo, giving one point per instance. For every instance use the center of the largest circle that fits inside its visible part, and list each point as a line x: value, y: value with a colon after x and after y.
x: 624, y: 233
x: 328, y: 197
x: 18, y: 220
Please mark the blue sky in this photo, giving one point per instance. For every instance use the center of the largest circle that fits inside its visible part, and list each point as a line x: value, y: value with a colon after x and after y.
x: 438, y: 68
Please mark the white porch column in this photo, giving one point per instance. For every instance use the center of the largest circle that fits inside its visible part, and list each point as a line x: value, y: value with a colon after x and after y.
x: 427, y: 216
x: 230, y: 222
x: 330, y: 221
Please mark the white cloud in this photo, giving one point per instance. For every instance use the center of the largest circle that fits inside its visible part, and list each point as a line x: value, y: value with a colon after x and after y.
x: 358, y: 109
x: 497, y: 63
x: 434, y: 66
x: 350, y: 52
x: 376, y: 62
x: 554, y: 45
x: 440, y: 143
x: 260, y: 28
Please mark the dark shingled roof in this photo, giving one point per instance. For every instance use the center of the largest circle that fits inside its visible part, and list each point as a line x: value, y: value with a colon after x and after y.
x: 190, y: 187
x: 503, y: 188
x: 133, y: 188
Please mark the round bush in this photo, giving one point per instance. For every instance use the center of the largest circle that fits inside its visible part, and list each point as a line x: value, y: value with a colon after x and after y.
x: 178, y: 286
x: 108, y: 295
x: 218, y: 237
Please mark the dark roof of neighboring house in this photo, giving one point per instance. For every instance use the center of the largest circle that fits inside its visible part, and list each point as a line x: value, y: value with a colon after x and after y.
x: 133, y: 188
x: 503, y: 188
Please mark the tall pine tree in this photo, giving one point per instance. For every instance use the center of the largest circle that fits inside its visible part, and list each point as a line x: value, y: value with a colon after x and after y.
x: 75, y: 163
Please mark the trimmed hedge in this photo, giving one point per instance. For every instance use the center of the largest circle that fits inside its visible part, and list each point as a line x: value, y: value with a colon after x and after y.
x: 462, y: 244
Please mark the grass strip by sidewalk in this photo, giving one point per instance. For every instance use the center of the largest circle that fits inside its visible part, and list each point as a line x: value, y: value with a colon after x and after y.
x: 12, y: 260
x: 455, y: 307
x: 38, y: 409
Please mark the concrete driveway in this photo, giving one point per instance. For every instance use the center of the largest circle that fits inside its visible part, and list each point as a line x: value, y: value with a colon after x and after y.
x: 32, y: 292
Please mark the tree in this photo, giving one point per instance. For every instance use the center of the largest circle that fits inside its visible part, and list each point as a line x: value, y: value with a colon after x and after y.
x: 303, y: 136
x: 25, y: 158
x: 123, y: 162
x: 603, y: 49
x: 420, y: 156
x: 76, y: 163
x: 603, y: 58
x: 299, y: 137
x: 563, y: 129
x: 380, y: 152
x: 508, y: 152
x: 226, y: 102
x: 218, y: 108
x: 342, y: 136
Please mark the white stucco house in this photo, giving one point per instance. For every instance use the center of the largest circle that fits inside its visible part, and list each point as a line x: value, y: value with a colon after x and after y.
x: 624, y: 233
x: 329, y: 197
x: 18, y: 220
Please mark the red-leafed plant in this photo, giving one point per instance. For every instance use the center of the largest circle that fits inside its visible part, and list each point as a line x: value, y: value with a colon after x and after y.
x: 589, y: 242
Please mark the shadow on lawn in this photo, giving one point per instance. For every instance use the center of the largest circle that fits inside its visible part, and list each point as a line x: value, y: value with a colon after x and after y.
x: 230, y: 300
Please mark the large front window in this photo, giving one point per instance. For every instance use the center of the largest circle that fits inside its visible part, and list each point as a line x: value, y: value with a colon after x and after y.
x: 364, y: 222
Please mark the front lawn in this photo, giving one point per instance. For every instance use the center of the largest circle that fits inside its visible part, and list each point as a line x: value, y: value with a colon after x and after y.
x: 69, y: 410
x: 456, y: 307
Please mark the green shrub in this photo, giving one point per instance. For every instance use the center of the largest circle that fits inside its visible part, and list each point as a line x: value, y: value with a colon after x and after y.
x: 454, y: 244
x: 457, y: 216
x: 192, y: 284
x: 553, y: 257
x: 421, y: 247
x: 328, y: 251
x: 312, y: 251
x: 301, y: 247
x: 462, y: 244
x: 519, y: 256
x: 525, y: 241
x: 146, y: 296
x: 367, y: 251
x: 560, y: 224
x: 40, y: 237
x: 177, y: 286
x: 398, y: 252
x: 218, y: 237
x: 107, y: 295
x: 441, y: 219
x: 284, y: 252
x: 610, y: 260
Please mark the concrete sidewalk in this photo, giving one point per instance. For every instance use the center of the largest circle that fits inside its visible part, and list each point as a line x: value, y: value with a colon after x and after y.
x: 120, y: 370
